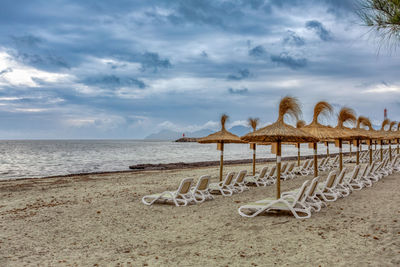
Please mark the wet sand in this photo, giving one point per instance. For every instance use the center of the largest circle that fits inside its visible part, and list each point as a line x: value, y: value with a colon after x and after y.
x: 99, y: 220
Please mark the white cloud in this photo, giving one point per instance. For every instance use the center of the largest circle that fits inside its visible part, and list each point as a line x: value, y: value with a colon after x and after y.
x: 21, y: 75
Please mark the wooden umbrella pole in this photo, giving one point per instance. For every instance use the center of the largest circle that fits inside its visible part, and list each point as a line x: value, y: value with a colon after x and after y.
x: 340, y: 155
x: 298, y: 154
x: 370, y: 152
x: 221, y: 164
x: 278, y: 169
x: 390, y: 151
x: 358, y: 152
x: 254, y: 159
x: 315, y: 160
x: 398, y: 146
x: 327, y: 149
x: 381, y: 142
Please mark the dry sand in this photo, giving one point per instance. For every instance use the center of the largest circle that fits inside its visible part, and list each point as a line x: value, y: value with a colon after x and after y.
x: 100, y: 220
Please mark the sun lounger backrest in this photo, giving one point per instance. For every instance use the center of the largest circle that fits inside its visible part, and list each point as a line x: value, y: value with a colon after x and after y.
x: 365, y: 171
x: 240, y: 176
x: 312, y: 187
x: 203, y: 182
x: 331, y: 179
x: 292, y: 167
x: 302, y: 192
x: 229, y: 178
x: 272, y: 171
x: 284, y: 165
x: 341, y: 175
x: 263, y: 172
x: 185, y: 185
x: 355, y: 172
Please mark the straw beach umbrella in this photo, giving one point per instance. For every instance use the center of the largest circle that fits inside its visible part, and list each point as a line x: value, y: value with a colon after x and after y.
x: 299, y: 124
x: 365, y: 122
x: 222, y: 137
x: 383, y: 135
x: 279, y: 132
x: 322, y: 132
x: 345, y: 115
x: 253, y: 122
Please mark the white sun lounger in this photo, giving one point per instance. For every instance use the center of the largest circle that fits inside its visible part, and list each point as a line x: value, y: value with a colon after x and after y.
x: 294, y: 204
x: 180, y: 197
x: 225, y: 187
x: 325, y: 191
x: 200, y: 191
x: 238, y: 183
x: 258, y: 180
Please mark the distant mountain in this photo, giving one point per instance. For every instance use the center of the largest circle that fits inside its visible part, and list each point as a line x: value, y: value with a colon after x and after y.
x: 164, y: 135
x: 172, y: 135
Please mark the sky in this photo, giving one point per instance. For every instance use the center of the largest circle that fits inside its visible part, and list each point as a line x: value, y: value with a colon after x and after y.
x: 125, y: 69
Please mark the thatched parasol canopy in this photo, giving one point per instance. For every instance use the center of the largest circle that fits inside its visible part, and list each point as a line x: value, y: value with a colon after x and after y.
x: 279, y: 132
x: 365, y: 122
x: 222, y: 136
x: 322, y: 132
x: 348, y: 115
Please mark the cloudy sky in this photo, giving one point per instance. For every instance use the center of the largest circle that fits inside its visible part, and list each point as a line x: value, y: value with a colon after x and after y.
x: 125, y: 69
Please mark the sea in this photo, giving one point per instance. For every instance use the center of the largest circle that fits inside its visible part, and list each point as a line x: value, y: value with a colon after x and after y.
x: 43, y: 158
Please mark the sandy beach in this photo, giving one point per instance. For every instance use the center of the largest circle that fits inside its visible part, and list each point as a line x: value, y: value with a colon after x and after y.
x: 99, y: 220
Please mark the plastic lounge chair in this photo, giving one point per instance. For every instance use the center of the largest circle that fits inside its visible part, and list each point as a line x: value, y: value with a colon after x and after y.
x: 258, y: 180
x: 238, y: 183
x: 340, y: 186
x: 200, y: 191
x: 294, y: 204
x: 180, y: 197
x: 325, y: 191
x: 298, y: 169
x: 287, y: 174
x: 310, y: 199
x: 225, y: 187
x: 352, y: 182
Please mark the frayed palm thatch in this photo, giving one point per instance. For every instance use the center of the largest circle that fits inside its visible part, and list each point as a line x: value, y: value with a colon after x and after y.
x: 289, y: 106
x: 222, y: 136
x: 253, y: 122
x: 392, y: 124
x: 385, y: 123
x: 322, y: 132
x: 347, y: 115
x: 280, y: 131
x: 322, y: 108
x: 300, y: 124
x: 385, y: 134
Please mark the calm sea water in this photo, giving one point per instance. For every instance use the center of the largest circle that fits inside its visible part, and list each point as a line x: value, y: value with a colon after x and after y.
x: 41, y: 158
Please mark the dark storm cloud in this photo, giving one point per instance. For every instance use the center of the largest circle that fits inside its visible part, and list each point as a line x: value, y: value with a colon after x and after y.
x: 289, y: 61
x: 151, y: 60
x: 257, y: 51
x: 292, y: 38
x: 242, y: 91
x: 242, y: 74
x: 114, y: 81
x: 319, y: 29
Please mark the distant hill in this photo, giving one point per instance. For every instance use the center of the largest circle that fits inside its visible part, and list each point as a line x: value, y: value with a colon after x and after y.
x: 172, y: 135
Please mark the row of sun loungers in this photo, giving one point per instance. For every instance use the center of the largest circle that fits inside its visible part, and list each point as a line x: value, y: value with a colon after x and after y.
x: 313, y: 195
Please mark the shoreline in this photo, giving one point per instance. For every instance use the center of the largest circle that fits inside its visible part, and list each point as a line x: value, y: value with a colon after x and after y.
x: 145, y: 167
